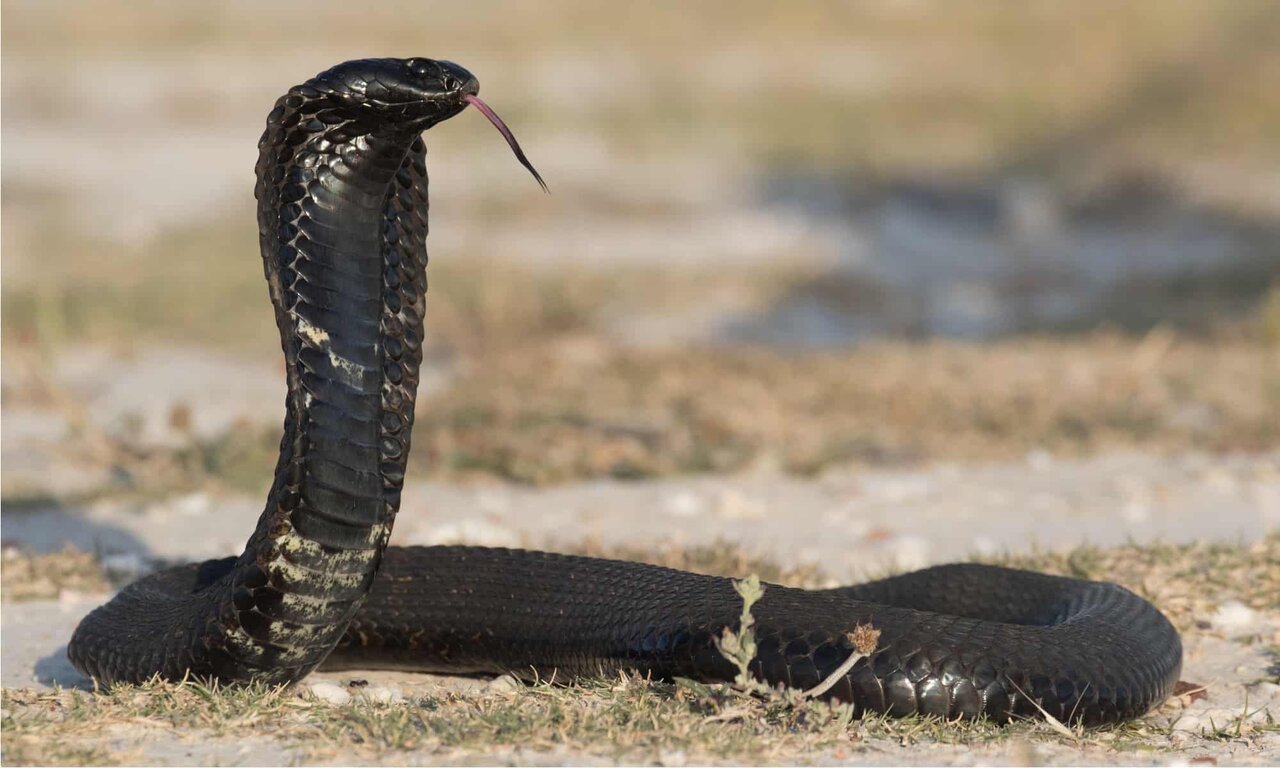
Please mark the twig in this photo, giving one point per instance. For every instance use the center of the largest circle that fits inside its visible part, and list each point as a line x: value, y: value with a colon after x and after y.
x: 864, y: 639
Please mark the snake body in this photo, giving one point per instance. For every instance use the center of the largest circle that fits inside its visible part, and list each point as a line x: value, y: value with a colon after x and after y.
x: 342, y: 215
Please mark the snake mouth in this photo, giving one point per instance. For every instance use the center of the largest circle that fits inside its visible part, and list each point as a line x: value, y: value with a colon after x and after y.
x: 488, y: 112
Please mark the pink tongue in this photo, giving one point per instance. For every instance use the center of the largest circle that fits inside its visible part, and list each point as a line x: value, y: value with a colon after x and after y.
x: 488, y: 112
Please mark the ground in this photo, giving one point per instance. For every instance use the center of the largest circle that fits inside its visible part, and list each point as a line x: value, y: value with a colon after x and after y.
x: 819, y: 296
x: 1229, y: 710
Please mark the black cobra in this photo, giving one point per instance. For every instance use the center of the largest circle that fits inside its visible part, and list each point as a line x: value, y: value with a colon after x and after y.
x: 342, y: 216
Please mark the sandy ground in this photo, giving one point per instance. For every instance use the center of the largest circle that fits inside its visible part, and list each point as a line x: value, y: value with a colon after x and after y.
x: 852, y: 525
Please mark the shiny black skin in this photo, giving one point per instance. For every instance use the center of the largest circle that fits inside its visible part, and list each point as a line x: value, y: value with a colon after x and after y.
x: 342, y: 194
x: 962, y: 640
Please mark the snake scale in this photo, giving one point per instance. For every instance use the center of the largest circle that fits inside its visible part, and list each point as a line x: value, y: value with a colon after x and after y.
x: 342, y: 217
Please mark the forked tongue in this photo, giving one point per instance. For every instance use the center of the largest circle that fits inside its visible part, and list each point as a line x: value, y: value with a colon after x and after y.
x: 488, y: 112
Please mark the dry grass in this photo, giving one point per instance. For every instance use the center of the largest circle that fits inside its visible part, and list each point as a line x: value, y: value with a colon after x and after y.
x: 1184, y: 580
x: 1149, y: 88
x: 28, y: 576
x: 584, y: 409
x: 182, y: 288
x: 578, y: 408
x: 626, y: 719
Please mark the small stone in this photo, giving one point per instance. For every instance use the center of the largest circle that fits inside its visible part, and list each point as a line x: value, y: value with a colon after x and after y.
x: 382, y: 694
x: 330, y: 692
x: 503, y: 685
x: 1188, y: 724
x: 1207, y: 721
x: 1233, y: 615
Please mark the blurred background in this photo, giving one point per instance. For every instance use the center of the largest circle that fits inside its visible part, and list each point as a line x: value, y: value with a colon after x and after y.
x: 784, y: 239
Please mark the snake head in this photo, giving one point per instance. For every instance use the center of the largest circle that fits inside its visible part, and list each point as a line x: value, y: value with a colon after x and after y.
x: 413, y: 94
x: 405, y: 95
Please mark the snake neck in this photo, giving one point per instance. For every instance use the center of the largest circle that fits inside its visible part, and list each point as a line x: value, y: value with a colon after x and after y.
x: 342, y: 227
x: 342, y: 221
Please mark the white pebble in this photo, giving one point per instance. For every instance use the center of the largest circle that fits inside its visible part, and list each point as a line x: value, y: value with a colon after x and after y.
x: 382, y: 694
x: 504, y: 684
x: 1233, y: 615
x: 1208, y: 721
x: 331, y: 693
x: 1188, y: 724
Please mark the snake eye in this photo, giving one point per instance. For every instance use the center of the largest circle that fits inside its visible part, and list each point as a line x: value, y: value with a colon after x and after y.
x: 419, y: 67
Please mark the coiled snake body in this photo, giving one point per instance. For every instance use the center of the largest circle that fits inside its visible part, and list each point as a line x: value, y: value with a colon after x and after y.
x: 342, y: 215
